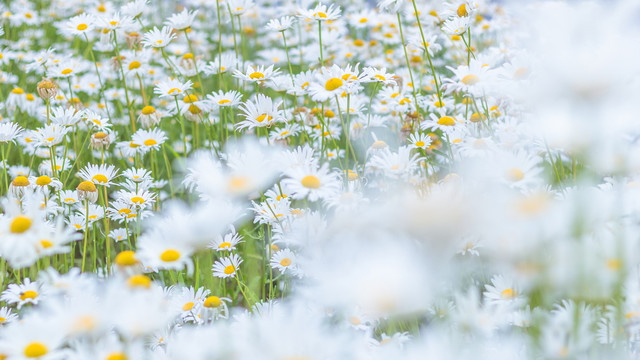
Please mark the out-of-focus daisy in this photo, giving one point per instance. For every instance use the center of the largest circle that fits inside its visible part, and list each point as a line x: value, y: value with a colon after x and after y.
x: 260, y: 112
x: 282, y: 24
x: 224, y: 98
x: 321, y: 12
x: 311, y: 182
x: 258, y: 74
x: 182, y: 20
x: 99, y: 174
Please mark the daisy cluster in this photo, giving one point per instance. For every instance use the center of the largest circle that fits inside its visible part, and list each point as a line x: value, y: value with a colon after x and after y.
x: 295, y: 179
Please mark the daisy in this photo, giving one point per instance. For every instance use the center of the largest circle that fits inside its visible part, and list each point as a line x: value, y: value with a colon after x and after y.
x: 331, y: 82
x: 395, y: 164
x: 374, y: 75
x: 163, y: 253
x: 261, y: 112
x: 135, y: 8
x: 137, y: 175
x: 7, y: 316
x: 9, y: 131
x: 149, y: 139
x: 115, y: 21
x: 290, y: 129
x: 26, y: 293
x: 321, y: 13
x: 456, y: 25
x: 99, y: 174
x: 285, y: 260
x: 258, y: 74
x: 282, y: 24
x: 239, y: 7
x: 311, y: 182
x: 50, y: 135
x: 502, y: 291
x: 183, y: 20
x: 224, y: 99
x: 442, y: 122
x: 226, y: 266
x: 158, y: 38
x: 419, y: 141
x: 65, y: 116
x: 226, y: 243
x: 96, y: 121
x: 172, y: 87
x: 80, y: 25
x: 142, y: 199
x: 472, y: 79
x: 271, y: 211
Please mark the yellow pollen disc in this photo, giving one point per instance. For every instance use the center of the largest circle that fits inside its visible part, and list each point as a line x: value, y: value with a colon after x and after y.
x: 43, y: 180
x: 285, y: 262
x: 35, y: 350
x: 93, y: 217
x: 354, y: 320
x: 20, y: 224
x: 20, y: 181
x: 100, y: 179
x: 305, y: 84
x: 262, y: 117
x: 212, y: 302
x: 117, y: 356
x: 29, y: 294
x: 379, y: 144
x: 30, y: 97
x: 150, y: 142
x: 188, y: 306
x: 176, y: 90
x: 514, y: 174
x: 320, y: 15
x: 632, y: 314
x: 238, y: 183
x: 187, y: 56
x: 100, y: 135
x: 358, y: 42
x: 333, y: 84
x: 229, y: 269
x: 17, y: 91
x: 113, y: 23
x: 87, y: 186
x: 224, y: 101
x: 148, y: 110
x: 614, y: 264
x: 475, y: 117
x: 224, y: 245
x: 455, y: 37
x: 363, y: 20
x: 124, y: 211
x: 446, y: 121
x: 508, y: 294
x: 329, y: 114
x: 66, y: 71
x: 134, y: 65
x: 256, y: 75
x: 380, y: 77
x: 170, y: 255
x: 190, y: 99
x: 310, y: 182
x: 462, y: 11
x: 470, y: 79
x: 419, y: 143
x: 126, y: 258
x: 137, y: 200
x: 405, y: 101
x: 521, y: 73
x: 139, y: 281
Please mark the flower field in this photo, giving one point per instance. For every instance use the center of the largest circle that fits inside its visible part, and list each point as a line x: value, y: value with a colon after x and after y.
x: 293, y: 179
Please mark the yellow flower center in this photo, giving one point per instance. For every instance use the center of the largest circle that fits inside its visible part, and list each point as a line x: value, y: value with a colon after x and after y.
x: 29, y: 294
x: 189, y: 99
x: 212, y: 302
x: 66, y: 71
x: 100, y: 135
x: 46, y: 243
x: 87, y: 186
x: 100, y: 179
x: 285, y: 262
x: 224, y: 101
x: 229, y: 269
x: 174, y: 90
x: 224, y: 245
x: 320, y: 15
x: 508, y: 294
x: 150, y: 142
x: 20, y: 181
x: 139, y: 281
x: 419, y: 143
x: 20, y: 224
x: 333, y: 84
x: 238, y: 184
x: 117, y: 356
x: 514, y: 174
x: 35, y: 349
x: 256, y: 75
x: 462, y: 10
x: 126, y: 258
x: 262, y: 117
x: 470, y: 79
x: 170, y: 255
x: 614, y: 264
x: 134, y: 65
x: 17, y: 91
x: 446, y: 121
x: 43, y: 180
x: 188, y: 306
x: 148, y: 110
x: 310, y: 182
x: 137, y: 200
